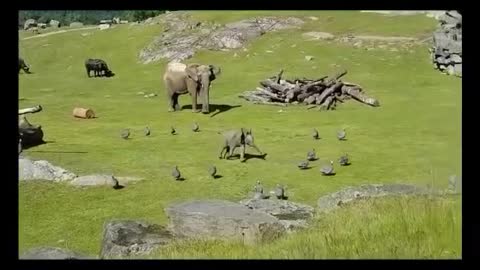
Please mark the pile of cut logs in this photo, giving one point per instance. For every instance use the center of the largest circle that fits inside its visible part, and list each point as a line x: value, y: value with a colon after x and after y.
x: 323, y: 93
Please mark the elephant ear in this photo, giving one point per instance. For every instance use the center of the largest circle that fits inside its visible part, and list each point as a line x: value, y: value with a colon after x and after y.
x: 192, y: 72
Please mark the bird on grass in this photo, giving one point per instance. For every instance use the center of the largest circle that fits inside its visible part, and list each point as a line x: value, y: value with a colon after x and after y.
x: 341, y: 134
x: 311, y: 155
x: 147, y: 131
x: 315, y: 134
x: 173, y: 131
x: 116, y: 184
x: 125, y: 133
x: 303, y: 165
x: 195, y: 127
x: 258, y: 187
x: 212, y: 171
x: 344, y: 160
x: 280, y: 192
x: 176, y: 173
x: 328, y: 169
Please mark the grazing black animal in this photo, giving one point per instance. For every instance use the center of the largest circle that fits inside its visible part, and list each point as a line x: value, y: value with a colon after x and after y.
x: 22, y: 65
x: 99, y: 67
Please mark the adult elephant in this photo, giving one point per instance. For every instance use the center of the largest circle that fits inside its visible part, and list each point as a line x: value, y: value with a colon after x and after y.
x: 194, y: 79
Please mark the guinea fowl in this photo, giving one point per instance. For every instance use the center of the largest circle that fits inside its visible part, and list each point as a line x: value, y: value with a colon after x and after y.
x: 125, y: 133
x: 328, y: 169
x: 311, y: 155
x: 212, y: 171
x: 303, y: 165
x: 195, y: 127
x: 280, y: 192
x: 344, y: 160
x: 315, y: 134
x: 116, y: 184
x: 341, y: 135
x: 173, y: 131
x: 176, y: 173
x: 147, y: 131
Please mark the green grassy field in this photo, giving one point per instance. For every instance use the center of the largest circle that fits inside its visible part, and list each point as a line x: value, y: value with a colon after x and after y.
x: 414, y: 137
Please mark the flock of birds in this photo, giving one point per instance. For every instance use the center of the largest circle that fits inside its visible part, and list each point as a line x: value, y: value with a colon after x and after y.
x: 279, y: 191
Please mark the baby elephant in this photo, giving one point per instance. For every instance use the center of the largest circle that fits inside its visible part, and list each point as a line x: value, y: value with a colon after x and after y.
x: 237, y: 138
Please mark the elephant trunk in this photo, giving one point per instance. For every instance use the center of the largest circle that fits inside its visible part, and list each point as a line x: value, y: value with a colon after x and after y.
x: 206, y: 99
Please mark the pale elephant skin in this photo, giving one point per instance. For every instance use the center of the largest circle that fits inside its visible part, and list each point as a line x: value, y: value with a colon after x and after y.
x: 194, y: 79
x: 22, y: 65
x: 237, y: 138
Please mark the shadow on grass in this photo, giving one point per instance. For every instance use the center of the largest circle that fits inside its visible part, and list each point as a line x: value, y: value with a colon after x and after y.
x: 215, y: 108
x: 218, y: 176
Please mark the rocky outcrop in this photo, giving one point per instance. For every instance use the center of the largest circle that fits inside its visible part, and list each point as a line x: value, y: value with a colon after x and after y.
x: 42, y: 170
x: 447, y: 44
x: 290, y: 214
x: 94, y: 180
x: 29, y: 24
x: 223, y: 220
x: 126, y: 238
x: 76, y: 24
x: 51, y: 253
x: 183, y: 36
x: 333, y: 201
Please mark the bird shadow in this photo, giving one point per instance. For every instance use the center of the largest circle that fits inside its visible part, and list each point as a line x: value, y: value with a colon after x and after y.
x: 307, y: 168
x: 218, y: 176
x: 342, y: 139
x: 313, y: 159
x: 118, y: 187
x: 348, y: 164
x: 215, y: 108
x: 331, y: 174
x: 180, y: 179
x: 31, y: 145
x: 250, y: 156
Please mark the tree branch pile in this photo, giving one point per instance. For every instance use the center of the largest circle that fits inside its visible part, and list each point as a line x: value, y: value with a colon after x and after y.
x: 323, y: 93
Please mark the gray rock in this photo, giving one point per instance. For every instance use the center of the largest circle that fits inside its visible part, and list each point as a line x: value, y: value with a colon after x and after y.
x: 42, y: 170
x: 54, y: 23
x: 29, y: 24
x: 450, y: 70
x: 125, y: 238
x: 51, y: 253
x: 94, y: 180
x: 458, y: 70
x: 281, y: 209
x: 318, y: 35
x: 216, y: 219
x: 455, y: 58
x: 332, y: 201
x: 76, y: 24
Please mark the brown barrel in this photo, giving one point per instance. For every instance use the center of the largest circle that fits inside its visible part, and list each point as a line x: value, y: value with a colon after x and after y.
x: 83, y: 113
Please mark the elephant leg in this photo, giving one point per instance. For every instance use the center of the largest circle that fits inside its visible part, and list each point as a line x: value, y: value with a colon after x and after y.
x: 194, y: 102
x: 176, y: 105
x: 224, y: 149
x: 232, y: 150
x: 171, y: 103
x: 242, y: 153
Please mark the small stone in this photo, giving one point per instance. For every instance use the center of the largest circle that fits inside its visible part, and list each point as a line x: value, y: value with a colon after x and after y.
x: 313, y: 18
x: 308, y: 57
x: 268, y: 51
x: 293, y: 46
x: 450, y: 70
x: 140, y: 93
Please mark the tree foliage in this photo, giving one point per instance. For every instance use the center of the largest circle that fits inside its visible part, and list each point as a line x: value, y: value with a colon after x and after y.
x: 66, y: 17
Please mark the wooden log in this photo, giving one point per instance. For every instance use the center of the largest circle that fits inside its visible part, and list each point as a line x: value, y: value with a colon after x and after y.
x: 270, y: 103
x: 356, y: 94
x: 329, y: 91
x: 311, y: 99
x: 327, y: 104
x: 293, y: 93
x: 274, y: 86
x: 279, y: 76
x: 308, y: 86
x: 83, y: 113
x: 34, y: 109
x: 335, y: 77
x: 271, y: 95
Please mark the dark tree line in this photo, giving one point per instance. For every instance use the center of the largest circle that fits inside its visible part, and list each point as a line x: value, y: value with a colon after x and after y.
x: 66, y: 17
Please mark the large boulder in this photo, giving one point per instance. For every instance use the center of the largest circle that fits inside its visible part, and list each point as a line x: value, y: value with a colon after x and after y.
x: 447, y: 44
x: 292, y: 215
x: 51, y: 253
x: 29, y: 24
x: 125, y: 238
x: 76, y: 24
x: 222, y: 220
x: 332, y: 201
x: 94, y: 180
x: 42, y: 170
x: 54, y: 23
